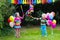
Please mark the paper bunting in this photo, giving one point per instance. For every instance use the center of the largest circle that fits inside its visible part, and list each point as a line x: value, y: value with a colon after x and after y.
x: 39, y: 1
x: 31, y: 1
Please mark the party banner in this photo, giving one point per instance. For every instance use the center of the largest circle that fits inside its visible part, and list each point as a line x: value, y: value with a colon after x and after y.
x: 24, y: 1
x: 15, y: 1
x: 39, y: 1
x: 34, y: 1
x: 54, y: 1
x: 49, y: 1
x: 30, y: 2
x: 44, y: 1
x: 20, y: 1
x: 12, y: 1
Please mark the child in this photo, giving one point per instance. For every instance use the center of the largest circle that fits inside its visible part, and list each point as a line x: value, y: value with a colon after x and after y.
x: 17, y: 26
x: 43, y: 25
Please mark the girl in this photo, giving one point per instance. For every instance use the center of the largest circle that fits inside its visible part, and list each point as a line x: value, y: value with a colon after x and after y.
x: 17, y: 26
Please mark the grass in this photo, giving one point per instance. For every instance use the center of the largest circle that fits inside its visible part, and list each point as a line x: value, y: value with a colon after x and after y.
x: 34, y: 33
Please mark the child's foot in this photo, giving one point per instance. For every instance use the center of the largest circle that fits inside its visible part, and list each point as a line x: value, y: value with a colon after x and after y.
x: 17, y: 36
x: 45, y: 35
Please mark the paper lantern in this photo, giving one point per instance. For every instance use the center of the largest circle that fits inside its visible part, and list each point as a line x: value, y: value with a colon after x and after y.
x: 54, y: 0
x: 39, y: 1
x: 49, y: 1
x: 24, y: 1
x: 29, y: 1
x: 20, y: 1
x: 12, y: 1
x: 34, y: 1
x: 15, y: 1
x: 44, y: 1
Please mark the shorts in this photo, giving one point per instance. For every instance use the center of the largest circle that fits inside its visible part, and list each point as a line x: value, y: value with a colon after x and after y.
x: 17, y: 26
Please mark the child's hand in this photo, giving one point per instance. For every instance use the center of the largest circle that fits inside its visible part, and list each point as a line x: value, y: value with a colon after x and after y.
x: 37, y: 18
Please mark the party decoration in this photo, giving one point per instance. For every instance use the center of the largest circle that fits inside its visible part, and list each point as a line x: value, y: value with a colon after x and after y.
x: 16, y: 1
x: 13, y: 1
x: 49, y: 1
x: 39, y: 1
x: 33, y: 1
x: 53, y: 26
x: 30, y: 2
x: 44, y: 1
x: 51, y: 16
x: 11, y: 24
x: 24, y: 1
x: 53, y: 13
x: 54, y: 21
x: 47, y: 16
x: 54, y: 1
x: 31, y: 8
x: 43, y: 15
x: 48, y: 23
x: 11, y: 18
x: 20, y: 1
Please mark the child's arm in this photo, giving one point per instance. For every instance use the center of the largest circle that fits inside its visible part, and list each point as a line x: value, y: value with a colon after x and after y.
x: 22, y: 16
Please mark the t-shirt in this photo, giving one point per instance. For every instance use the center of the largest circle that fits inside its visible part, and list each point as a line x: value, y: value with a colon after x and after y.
x: 43, y: 22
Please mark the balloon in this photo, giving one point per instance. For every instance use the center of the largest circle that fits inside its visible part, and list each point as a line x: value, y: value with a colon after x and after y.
x: 50, y: 16
x: 54, y: 21
x: 47, y: 15
x: 11, y: 24
x: 53, y: 26
x: 48, y: 23
x: 31, y: 6
x: 53, y: 13
x: 11, y: 18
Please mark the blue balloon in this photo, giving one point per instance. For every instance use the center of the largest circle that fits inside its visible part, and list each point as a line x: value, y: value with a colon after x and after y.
x: 51, y: 16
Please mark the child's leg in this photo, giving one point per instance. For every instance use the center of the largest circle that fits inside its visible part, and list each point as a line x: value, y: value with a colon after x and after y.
x: 17, y: 32
x: 43, y: 29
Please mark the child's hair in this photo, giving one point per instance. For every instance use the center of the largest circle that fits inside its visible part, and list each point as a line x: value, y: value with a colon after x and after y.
x: 16, y: 14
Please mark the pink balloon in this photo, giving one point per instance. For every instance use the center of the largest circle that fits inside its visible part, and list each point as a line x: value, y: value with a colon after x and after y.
x: 53, y: 26
x: 49, y: 22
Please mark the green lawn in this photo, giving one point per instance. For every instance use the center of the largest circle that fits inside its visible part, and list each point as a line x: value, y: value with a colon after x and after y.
x: 34, y: 34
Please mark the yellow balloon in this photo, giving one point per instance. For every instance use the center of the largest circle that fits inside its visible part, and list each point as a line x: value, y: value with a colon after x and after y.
x: 54, y: 21
x: 11, y: 18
